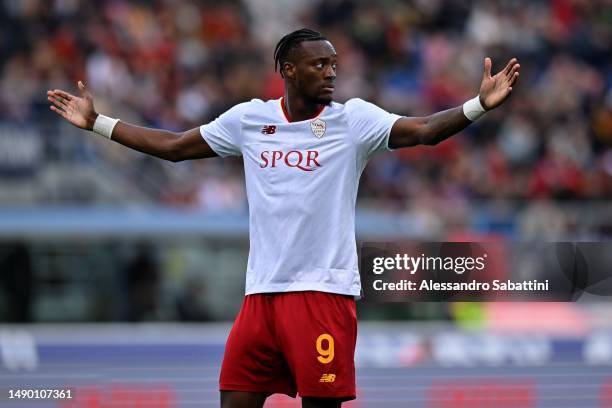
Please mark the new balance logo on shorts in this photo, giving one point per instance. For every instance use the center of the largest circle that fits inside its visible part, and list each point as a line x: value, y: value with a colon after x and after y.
x: 268, y: 130
x: 328, y: 378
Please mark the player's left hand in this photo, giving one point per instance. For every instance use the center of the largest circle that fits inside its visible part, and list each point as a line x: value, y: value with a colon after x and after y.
x: 495, y: 89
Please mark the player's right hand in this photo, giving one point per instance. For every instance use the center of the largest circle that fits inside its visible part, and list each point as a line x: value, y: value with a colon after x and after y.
x: 77, y: 110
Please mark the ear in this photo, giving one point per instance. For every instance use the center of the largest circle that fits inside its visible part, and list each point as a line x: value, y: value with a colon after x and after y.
x: 288, y: 69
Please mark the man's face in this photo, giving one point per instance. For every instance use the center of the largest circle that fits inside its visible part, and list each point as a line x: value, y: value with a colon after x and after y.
x: 313, y: 70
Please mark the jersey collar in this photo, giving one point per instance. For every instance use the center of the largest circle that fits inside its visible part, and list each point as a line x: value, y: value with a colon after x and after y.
x: 286, y: 114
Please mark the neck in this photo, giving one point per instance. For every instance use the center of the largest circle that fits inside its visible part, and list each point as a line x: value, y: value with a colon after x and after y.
x: 297, y: 108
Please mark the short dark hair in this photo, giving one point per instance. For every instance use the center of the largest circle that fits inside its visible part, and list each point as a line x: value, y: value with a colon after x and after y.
x: 291, y: 41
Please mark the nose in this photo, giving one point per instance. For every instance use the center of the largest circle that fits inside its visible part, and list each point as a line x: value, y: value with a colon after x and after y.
x: 330, y: 72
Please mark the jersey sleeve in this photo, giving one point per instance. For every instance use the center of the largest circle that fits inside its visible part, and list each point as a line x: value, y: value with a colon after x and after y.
x: 224, y: 134
x: 370, y: 125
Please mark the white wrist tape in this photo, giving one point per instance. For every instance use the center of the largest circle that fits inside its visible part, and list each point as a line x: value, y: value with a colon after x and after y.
x: 104, y: 126
x: 473, y: 109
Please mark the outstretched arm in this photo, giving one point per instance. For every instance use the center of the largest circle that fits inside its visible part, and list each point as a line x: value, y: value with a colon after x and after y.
x: 431, y: 130
x: 173, y: 146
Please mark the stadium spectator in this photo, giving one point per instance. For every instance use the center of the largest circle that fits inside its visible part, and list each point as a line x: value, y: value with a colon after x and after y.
x: 169, y: 65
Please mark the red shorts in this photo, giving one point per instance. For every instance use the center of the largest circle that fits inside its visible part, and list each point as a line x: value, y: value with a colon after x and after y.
x: 292, y: 342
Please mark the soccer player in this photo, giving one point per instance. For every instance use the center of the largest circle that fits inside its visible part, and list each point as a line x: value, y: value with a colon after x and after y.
x: 303, y: 155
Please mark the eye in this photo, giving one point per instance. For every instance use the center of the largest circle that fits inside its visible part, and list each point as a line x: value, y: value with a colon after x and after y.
x: 335, y: 66
x: 319, y: 65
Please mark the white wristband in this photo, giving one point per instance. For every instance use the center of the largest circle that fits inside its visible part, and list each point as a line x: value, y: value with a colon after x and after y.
x: 104, y: 126
x: 473, y: 109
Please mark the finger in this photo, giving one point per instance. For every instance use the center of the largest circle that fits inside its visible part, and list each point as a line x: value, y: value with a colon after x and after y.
x: 487, y: 68
x: 509, y: 66
x: 514, y: 78
x: 63, y: 94
x: 60, y: 112
x: 83, y: 90
x: 514, y: 69
x: 59, y: 102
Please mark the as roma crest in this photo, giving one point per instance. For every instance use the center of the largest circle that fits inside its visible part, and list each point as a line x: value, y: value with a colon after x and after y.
x: 318, y: 127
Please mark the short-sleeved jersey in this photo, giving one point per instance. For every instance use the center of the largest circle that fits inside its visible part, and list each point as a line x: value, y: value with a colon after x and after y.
x: 301, y: 182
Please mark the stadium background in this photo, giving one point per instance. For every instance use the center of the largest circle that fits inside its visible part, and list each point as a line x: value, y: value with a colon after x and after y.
x: 119, y: 272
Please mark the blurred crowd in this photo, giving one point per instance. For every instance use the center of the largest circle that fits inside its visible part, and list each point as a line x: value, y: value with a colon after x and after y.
x: 177, y: 64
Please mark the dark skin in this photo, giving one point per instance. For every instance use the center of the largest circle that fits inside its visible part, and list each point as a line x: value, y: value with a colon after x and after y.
x: 310, y: 74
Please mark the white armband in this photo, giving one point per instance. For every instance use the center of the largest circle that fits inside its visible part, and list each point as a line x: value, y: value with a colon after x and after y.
x: 104, y: 126
x: 473, y: 109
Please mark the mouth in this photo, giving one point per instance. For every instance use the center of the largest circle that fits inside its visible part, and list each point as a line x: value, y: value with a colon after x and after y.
x: 328, y: 88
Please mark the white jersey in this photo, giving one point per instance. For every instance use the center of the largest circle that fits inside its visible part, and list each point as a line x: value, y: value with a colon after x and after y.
x: 301, y: 183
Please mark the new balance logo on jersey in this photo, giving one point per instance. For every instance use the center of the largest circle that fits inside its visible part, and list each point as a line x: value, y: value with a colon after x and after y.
x: 268, y: 130
x: 328, y: 378
x: 305, y: 161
